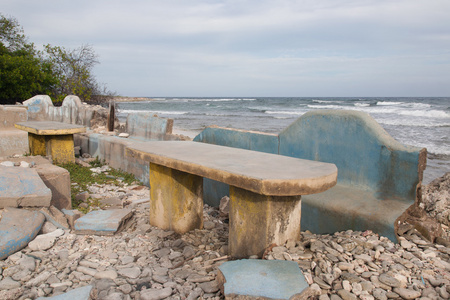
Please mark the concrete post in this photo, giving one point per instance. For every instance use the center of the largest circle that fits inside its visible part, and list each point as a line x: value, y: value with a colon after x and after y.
x: 176, y: 199
x: 258, y: 221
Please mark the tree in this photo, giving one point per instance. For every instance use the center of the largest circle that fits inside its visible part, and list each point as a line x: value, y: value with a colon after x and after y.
x: 56, y: 71
x: 74, y: 71
x: 22, y: 73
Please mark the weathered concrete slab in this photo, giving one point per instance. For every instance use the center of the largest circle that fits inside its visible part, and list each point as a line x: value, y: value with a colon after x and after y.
x: 50, y: 128
x: 252, y: 278
x: 262, y: 173
x: 72, y: 215
x: 57, y: 179
x: 22, y: 187
x: 13, y: 234
x: 103, y: 222
x: 82, y: 293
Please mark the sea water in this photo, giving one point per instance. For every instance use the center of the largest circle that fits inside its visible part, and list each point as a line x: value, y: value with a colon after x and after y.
x: 421, y: 122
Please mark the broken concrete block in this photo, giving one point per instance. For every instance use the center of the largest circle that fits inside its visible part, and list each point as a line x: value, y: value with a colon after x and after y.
x: 103, y: 222
x: 257, y: 279
x: 55, y: 216
x: 81, y: 293
x: 13, y: 234
x: 57, y: 179
x: 45, y: 241
x: 72, y: 216
x: 22, y: 187
x: 111, y: 203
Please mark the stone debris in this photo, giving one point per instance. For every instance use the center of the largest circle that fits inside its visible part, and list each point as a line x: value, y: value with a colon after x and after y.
x: 145, y: 262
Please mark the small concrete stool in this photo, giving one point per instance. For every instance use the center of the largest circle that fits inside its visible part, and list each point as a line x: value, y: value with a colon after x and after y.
x: 254, y: 278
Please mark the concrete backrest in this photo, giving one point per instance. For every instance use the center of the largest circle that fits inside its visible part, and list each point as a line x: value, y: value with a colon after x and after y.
x: 367, y: 157
x: 365, y: 154
x: 148, y: 127
x: 11, y: 114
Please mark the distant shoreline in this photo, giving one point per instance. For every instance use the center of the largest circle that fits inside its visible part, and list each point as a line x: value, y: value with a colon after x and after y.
x: 131, y: 99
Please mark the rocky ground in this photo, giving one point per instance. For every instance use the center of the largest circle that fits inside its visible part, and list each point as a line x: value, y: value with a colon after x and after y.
x: 144, y: 262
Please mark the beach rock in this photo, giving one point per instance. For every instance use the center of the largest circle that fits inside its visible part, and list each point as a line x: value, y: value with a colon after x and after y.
x: 8, y: 283
x: 407, y: 293
x: 155, y: 294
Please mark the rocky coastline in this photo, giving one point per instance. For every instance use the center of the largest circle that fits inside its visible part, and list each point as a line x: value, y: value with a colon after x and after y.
x: 144, y: 262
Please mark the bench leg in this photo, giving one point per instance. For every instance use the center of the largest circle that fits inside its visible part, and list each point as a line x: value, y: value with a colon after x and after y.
x: 258, y: 221
x: 61, y: 148
x: 176, y: 199
x: 37, y: 143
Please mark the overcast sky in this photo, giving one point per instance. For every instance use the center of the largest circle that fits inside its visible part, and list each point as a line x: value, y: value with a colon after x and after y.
x: 253, y: 47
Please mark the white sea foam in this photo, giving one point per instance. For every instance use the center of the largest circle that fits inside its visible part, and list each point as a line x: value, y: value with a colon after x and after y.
x: 362, y: 104
x: 162, y: 112
x: 326, y: 106
x: 284, y: 112
x: 438, y: 114
x: 328, y: 101
x: 381, y: 103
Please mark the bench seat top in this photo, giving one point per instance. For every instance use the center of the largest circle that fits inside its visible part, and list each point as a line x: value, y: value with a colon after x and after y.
x: 259, y: 172
x: 50, y: 127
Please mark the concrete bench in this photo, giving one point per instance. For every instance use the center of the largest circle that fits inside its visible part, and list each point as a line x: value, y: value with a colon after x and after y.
x: 379, y: 178
x: 265, y: 190
x: 53, y: 139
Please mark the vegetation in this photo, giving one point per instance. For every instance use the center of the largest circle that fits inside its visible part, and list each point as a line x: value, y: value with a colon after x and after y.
x: 82, y: 177
x: 56, y: 71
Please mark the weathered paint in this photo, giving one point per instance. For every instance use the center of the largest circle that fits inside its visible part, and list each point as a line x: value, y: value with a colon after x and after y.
x: 103, y: 222
x: 380, y: 176
x: 13, y: 234
x: 20, y: 187
x: 213, y: 190
x: 51, y: 139
x: 261, y: 279
x: 257, y: 221
x: 365, y: 154
x: 13, y: 141
x: 176, y: 199
x: 262, y: 173
x: 148, y: 127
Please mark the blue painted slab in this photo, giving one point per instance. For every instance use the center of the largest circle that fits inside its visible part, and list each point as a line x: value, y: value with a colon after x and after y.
x: 81, y: 293
x: 22, y: 187
x: 275, y: 279
x: 102, y: 221
x: 13, y: 234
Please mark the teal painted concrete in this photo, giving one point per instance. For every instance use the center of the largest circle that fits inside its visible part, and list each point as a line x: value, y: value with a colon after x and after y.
x: 13, y: 234
x: 102, y: 221
x: 273, y: 279
x: 365, y: 154
x: 148, y: 127
x: 213, y: 190
x: 377, y: 175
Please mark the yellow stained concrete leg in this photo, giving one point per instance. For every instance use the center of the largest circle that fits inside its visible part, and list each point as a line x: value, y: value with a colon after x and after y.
x: 176, y: 199
x: 37, y: 144
x: 257, y: 221
x: 61, y: 148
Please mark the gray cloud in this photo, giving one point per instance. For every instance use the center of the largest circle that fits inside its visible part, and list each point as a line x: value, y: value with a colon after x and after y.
x: 244, y: 48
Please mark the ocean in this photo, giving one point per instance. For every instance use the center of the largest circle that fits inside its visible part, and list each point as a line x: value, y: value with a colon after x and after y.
x: 421, y: 122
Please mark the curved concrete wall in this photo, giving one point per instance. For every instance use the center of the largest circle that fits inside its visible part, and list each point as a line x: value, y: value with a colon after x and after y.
x: 72, y: 111
x: 365, y: 154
